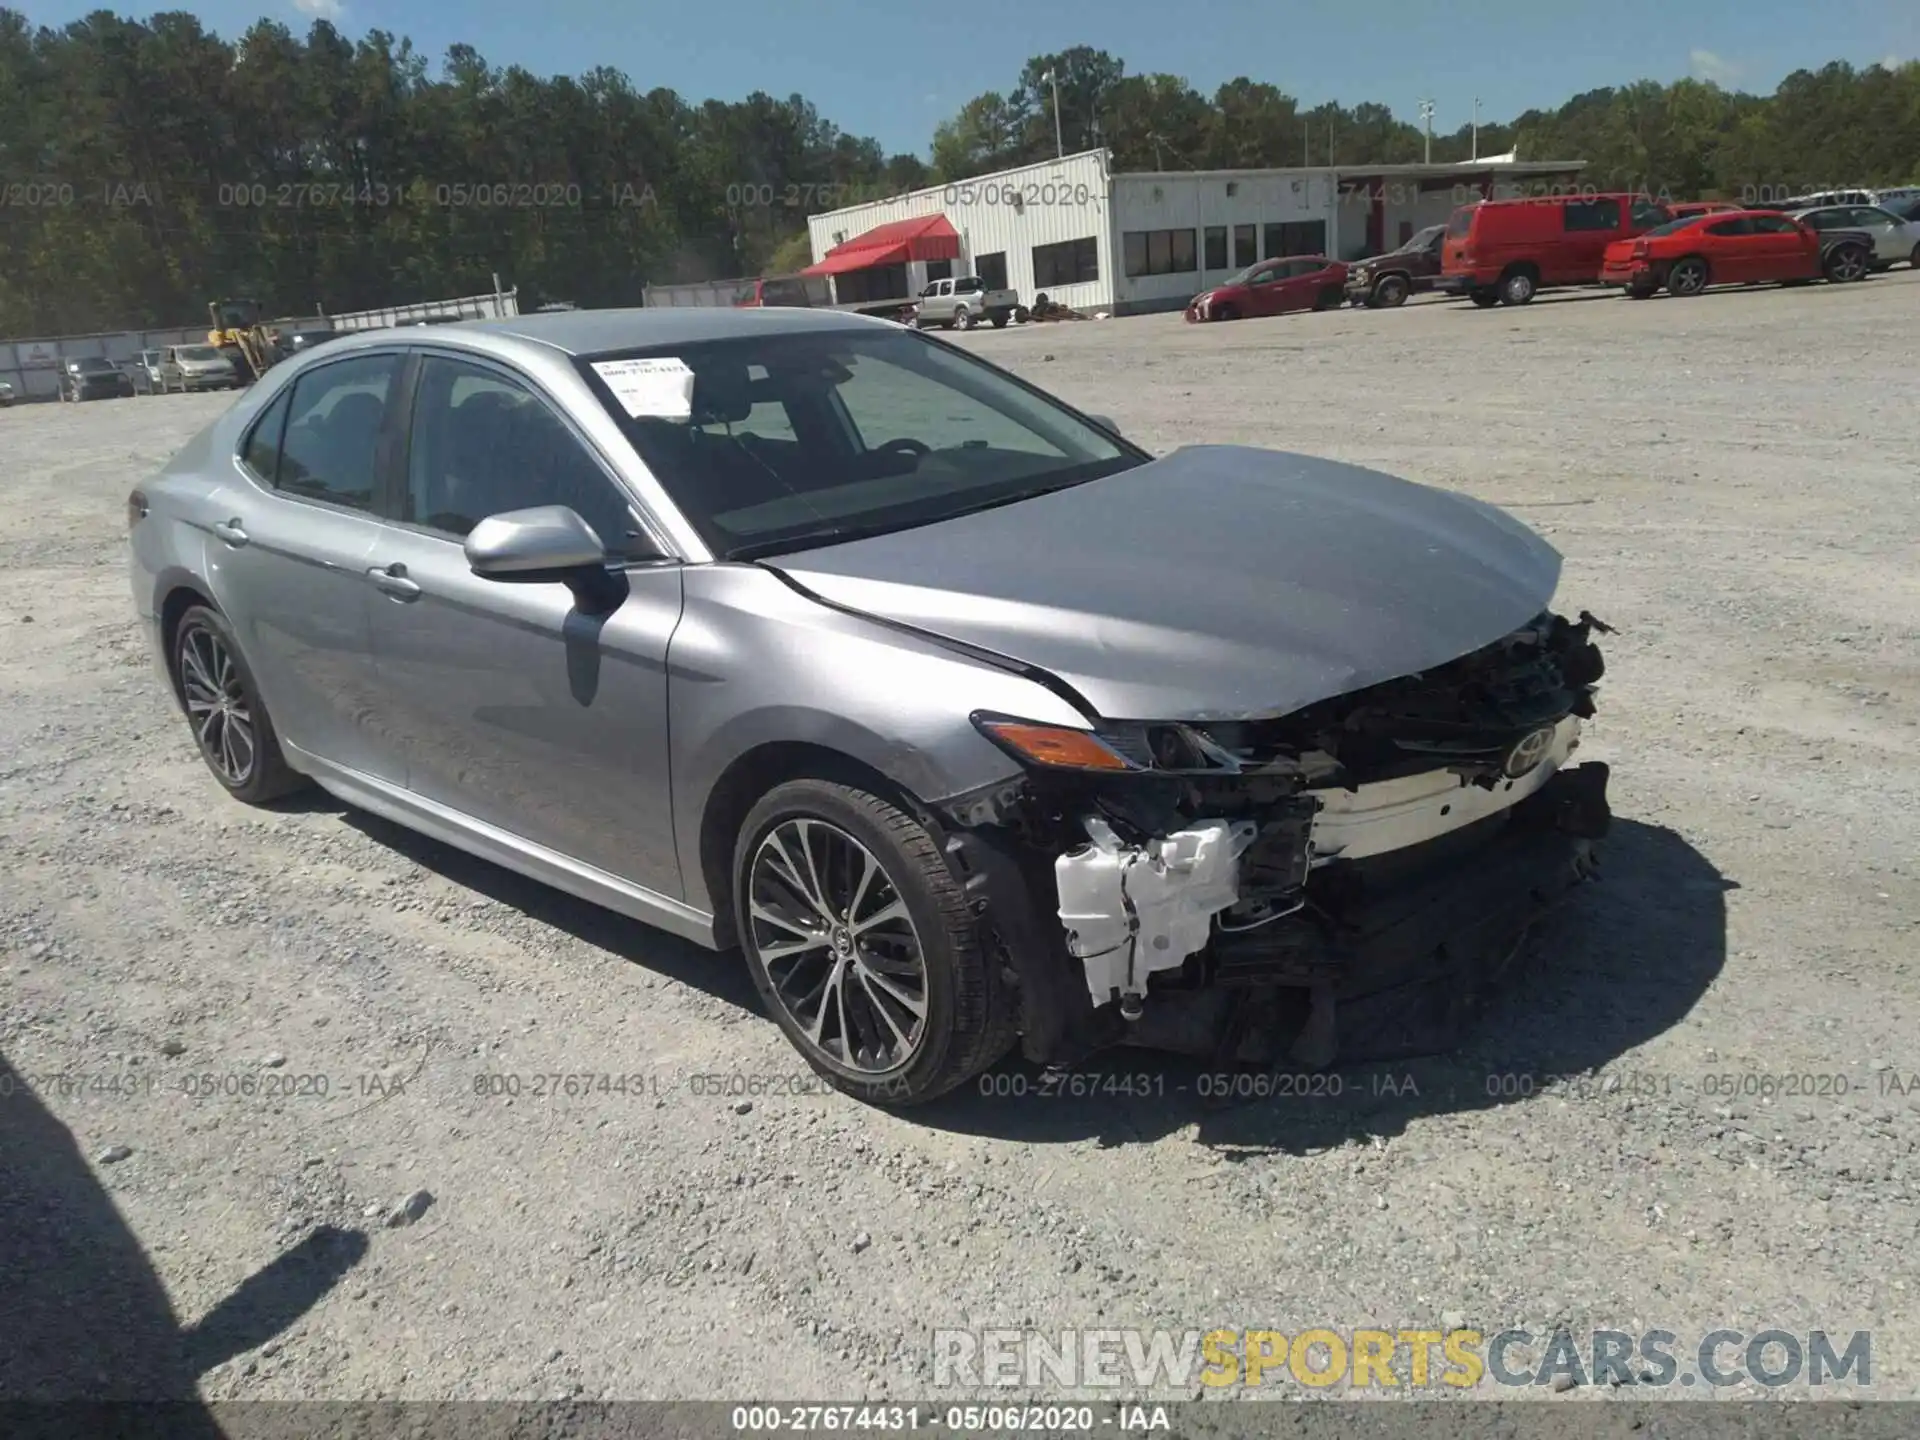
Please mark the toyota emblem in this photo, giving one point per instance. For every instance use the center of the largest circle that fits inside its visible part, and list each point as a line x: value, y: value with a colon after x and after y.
x: 1528, y: 751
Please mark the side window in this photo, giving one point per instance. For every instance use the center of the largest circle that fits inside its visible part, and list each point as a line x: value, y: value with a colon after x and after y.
x: 1648, y: 213
x: 1867, y: 215
x: 1602, y: 213
x: 482, y: 444
x: 1741, y: 226
x: 262, y: 449
x: 1773, y: 225
x: 969, y: 286
x: 333, y: 430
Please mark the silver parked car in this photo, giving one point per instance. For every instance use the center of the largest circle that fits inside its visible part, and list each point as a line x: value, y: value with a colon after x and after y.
x: 196, y: 367
x: 962, y: 716
x: 1894, y: 239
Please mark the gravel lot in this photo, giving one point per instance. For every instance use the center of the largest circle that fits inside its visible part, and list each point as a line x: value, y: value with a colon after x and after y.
x: 1732, y: 481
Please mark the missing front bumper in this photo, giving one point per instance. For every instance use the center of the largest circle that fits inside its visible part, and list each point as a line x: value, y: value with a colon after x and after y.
x: 1388, y: 958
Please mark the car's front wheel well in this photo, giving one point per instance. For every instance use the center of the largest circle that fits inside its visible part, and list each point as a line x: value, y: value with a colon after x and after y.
x: 180, y: 599
x: 740, y: 787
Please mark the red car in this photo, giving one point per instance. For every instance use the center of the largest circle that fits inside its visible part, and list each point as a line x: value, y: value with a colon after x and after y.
x: 1689, y: 209
x: 1741, y: 247
x: 1273, y: 287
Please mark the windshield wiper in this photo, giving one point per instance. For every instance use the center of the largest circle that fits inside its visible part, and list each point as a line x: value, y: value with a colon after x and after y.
x: 809, y: 539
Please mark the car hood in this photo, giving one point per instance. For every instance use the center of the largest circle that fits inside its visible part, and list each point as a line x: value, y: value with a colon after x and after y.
x: 1219, y: 582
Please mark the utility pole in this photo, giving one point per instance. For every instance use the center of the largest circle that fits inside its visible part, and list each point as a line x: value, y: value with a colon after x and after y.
x: 1476, y: 127
x: 1426, y: 115
x: 1059, y: 145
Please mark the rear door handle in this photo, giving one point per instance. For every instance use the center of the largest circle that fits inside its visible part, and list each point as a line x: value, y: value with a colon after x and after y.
x: 231, y: 531
x: 393, y: 581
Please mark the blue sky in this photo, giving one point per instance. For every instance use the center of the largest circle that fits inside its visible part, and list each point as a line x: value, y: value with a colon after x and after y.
x: 893, y: 70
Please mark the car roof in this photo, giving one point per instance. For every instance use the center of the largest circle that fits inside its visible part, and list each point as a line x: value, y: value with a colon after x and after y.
x: 590, y: 332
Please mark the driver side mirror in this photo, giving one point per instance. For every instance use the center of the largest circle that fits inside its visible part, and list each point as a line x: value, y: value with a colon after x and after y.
x: 546, y: 544
x: 1105, y: 422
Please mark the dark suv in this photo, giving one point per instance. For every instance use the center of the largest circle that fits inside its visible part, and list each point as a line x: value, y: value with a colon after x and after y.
x: 1387, y: 280
x: 93, y: 377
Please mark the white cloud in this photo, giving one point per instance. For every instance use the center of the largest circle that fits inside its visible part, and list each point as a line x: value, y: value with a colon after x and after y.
x: 1891, y: 62
x: 320, y: 9
x: 1706, y: 66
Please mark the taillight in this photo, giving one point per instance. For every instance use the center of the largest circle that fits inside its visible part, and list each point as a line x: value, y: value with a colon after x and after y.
x: 136, y: 508
x: 1640, y: 250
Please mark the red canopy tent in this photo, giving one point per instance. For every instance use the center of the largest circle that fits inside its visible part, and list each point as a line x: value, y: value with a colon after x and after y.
x: 925, y: 237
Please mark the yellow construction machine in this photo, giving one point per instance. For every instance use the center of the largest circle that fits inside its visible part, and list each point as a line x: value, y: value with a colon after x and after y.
x: 237, y: 331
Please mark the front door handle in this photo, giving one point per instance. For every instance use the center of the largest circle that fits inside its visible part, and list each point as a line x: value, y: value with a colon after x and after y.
x: 393, y: 581
x: 231, y: 531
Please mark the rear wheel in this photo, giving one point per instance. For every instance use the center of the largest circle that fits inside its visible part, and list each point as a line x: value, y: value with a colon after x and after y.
x: 1392, y: 290
x: 1687, y: 277
x: 863, y: 946
x: 1846, y: 263
x: 1517, y: 287
x: 229, y: 720
x: 1914, y: 258
x: 999, y: 319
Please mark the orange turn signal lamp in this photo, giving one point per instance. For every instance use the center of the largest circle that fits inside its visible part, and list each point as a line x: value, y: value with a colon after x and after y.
x: 1059, y: 747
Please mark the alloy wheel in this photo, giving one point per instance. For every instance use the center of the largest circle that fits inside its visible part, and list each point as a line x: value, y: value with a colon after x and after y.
x: 840, y: 952
x: 1689, y: 277
x: 217, y: 705
x: 1849, y: 263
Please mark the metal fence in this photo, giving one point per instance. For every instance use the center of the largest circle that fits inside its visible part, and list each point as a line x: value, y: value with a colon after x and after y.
x: 499, y: 303
x: 33, y: 366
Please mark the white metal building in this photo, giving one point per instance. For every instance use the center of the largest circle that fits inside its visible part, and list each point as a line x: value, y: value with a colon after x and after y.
x: 1133, y: 242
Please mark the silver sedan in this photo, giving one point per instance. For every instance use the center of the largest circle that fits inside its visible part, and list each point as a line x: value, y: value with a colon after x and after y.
x: 1894, y: 239
x: 963, y: 717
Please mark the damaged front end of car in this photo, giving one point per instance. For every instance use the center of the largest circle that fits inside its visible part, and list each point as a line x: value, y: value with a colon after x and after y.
x: 1338, y: 883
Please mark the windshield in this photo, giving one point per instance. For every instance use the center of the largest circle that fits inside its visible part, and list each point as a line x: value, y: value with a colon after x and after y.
x: 1421, y: 239
x: 795, y: 440
x: 199, y: 353
x: 93, y: 365
x: 1683, y: 223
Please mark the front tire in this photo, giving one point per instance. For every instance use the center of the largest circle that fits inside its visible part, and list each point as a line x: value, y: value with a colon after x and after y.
x: 229, y: 721
x: 863, y: 946
x: 1391, y: 291
x: 962, y: 318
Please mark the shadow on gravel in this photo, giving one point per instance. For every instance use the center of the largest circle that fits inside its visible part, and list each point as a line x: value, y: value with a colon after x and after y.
x: 721, y: 976
x: 1622, y: 960
x: 83, y: 1315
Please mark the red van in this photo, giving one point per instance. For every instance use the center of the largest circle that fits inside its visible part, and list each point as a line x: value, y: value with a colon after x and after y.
x: 1502, y: 252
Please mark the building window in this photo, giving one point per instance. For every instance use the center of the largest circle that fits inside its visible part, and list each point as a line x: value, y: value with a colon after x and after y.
x: 1069, y: 262
x: 1233, y: 188
x: 992, y: 269
x: 1158, y: 252
x: 1216, y: 247
x: 939, y: 269
x: 1296, y: 237
x: 1244, y: 253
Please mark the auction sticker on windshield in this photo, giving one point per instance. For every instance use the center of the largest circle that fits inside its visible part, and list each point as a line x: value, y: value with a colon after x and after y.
x: 660, y: 388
